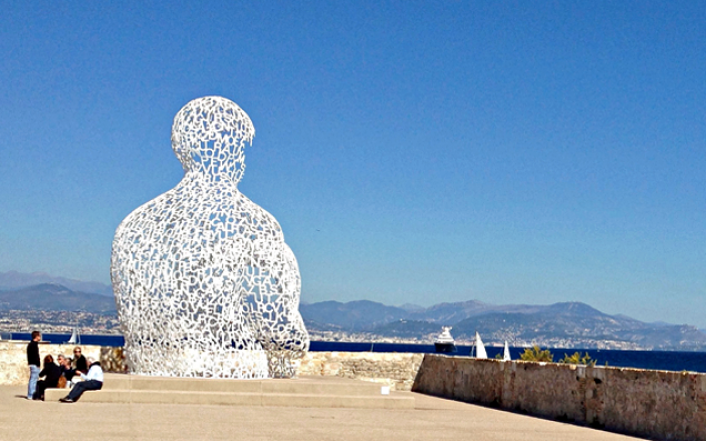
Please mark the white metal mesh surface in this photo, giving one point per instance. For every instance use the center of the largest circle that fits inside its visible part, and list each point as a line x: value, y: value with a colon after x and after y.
x: 204, y: 283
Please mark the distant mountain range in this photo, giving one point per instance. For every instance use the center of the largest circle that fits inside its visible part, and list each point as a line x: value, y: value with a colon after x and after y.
x: 15, y: 279
x: 569, y: 324
x: 53, y: 297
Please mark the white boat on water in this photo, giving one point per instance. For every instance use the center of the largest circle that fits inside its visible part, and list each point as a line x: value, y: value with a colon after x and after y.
x: 75, y: 338
x: 506, y: 352
x: 445, y: 343
x: 480, y: 347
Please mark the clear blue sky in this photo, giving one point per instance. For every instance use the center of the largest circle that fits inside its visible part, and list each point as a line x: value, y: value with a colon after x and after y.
x: 511, y: 152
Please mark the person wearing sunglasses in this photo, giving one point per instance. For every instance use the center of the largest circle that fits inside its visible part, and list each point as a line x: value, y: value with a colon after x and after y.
x: 79, y: 363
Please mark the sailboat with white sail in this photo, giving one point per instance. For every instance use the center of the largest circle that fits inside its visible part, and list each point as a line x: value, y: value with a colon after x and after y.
x: 75, y: 337
x: 506, y: 352
x: 480, y: 347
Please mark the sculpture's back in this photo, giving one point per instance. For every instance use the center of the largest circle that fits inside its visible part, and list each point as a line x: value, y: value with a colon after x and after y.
x: 204, y: 282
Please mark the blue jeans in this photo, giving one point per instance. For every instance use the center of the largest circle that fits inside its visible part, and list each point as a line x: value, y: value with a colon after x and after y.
x: 33, y: 377
x: 82, y: 386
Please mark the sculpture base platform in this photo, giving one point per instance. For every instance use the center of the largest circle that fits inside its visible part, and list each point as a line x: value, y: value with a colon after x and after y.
x: 329, y: 392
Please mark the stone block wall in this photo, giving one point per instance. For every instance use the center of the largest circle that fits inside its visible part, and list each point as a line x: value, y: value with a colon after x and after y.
x: 651, y: 404
x: 13, y: 358
x: 396, y: 370
x: 112, y: 359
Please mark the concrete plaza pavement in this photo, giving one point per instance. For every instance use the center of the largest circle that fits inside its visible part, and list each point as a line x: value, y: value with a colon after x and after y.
x: 431, y: 419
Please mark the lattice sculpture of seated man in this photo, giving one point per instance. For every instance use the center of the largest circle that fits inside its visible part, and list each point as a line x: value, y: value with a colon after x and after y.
x: 204, y: 283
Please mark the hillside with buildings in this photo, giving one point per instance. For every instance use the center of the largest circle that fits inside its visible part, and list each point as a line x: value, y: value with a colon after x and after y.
x: 52, y: 307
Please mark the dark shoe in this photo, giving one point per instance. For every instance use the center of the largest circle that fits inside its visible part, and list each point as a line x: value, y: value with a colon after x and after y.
x: 66, y: 400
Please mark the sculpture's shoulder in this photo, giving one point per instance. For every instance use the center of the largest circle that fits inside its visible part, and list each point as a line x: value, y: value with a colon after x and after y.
x: 144, y: 218
x: 253, y: 216
x: 186, y: 206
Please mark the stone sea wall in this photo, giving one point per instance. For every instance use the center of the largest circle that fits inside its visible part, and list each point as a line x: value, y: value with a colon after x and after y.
x: 651, y: 404
x: 13, y: 358
x: 396, y: 370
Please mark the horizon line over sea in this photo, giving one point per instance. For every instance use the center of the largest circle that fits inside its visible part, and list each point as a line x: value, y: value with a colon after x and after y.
x: 638, y: 359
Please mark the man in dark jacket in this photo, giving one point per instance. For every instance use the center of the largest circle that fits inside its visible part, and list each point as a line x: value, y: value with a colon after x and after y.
x: 33, y: 362
x: 79, y: 362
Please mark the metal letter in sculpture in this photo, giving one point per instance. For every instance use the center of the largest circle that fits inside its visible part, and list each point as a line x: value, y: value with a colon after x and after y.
x: 204, y: 283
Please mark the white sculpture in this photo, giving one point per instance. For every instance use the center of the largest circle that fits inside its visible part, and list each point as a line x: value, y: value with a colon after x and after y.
x: 204, y: 283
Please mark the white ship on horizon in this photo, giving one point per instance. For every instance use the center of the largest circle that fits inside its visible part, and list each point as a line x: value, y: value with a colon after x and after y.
x: 445, y: 343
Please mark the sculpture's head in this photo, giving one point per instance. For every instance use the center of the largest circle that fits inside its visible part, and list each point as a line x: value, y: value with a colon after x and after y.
x: 209, y: 136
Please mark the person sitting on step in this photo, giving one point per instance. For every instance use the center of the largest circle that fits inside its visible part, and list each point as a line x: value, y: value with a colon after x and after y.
x: 67, y: 372
x: 51, y: 372
x: 93, y: 380
x: 79, y: 363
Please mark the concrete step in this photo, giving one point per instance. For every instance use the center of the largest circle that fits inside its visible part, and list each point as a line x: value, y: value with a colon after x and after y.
x: 289, y: 386
x: 300, y: 392
x: 240, y: 399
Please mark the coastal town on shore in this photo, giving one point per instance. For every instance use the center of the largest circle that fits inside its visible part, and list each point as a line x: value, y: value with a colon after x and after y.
x: 88, y: 323
x: 59, y: 322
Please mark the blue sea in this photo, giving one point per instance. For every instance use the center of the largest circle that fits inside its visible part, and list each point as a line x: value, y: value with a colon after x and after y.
x: 660, y: 360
